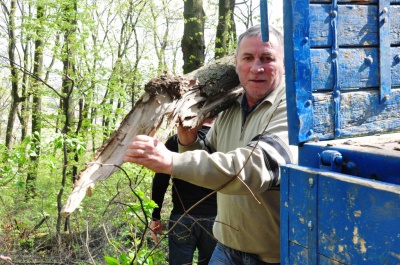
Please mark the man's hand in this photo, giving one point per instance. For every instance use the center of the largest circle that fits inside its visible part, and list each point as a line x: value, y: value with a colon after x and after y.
x: 149, y: 152
x: 155, y: 229
x: 5, y: 258
x: 188, y: 136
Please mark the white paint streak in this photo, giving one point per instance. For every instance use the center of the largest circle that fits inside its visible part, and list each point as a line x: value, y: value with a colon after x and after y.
x: 359, y: 241
x: 357, y: 213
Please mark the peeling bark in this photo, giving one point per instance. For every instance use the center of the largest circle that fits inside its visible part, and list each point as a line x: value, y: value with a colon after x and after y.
x: 188, y: 100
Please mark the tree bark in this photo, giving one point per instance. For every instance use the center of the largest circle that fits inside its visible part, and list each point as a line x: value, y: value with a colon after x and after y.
x: 70, y: 9
x: 188, y: 100
x: 193, y: 44
x: 226, y: 29
x: 32, y: 175
x: 14, y: 74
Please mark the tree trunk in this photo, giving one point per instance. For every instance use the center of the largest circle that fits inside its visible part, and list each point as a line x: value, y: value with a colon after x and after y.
x: 70, y: 10
x: 193, y: 45
x: 189, y: 99
x: 14, y: 74
x: 36, y: 110
x: 226, y: 29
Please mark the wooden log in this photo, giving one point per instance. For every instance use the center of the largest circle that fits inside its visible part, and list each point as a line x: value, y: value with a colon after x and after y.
x: 188, y: 100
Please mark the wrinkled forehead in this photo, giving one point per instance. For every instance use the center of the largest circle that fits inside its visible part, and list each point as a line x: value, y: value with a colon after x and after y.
x: 255, y: 43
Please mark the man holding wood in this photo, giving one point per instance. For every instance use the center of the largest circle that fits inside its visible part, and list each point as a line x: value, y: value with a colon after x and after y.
x: 249, y: 142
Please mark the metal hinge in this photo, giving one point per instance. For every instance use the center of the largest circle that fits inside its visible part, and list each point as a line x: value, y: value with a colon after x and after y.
x: 331, y: 160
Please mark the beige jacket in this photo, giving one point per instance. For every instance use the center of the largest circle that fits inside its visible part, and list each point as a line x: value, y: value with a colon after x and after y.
x: 245, y: 172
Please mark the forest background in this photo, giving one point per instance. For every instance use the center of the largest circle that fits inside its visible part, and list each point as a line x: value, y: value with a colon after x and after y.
x: 69, y: 73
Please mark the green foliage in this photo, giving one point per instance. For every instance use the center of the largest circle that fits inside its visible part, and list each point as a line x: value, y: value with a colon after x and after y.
x: 71, y: 143
x: 144, y: 204
x: 106, y: 50
x: 137, y: 216
x: 143, y: 258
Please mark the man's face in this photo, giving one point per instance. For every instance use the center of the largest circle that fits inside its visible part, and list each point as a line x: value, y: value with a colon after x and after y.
x: 260, y: 67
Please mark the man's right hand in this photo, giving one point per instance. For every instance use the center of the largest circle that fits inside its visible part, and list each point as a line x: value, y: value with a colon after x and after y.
x: 188, y: 136
x: 149, y: 152
x: 155, y: 229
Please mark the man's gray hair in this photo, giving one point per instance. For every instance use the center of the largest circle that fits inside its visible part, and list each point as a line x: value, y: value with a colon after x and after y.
x: 255, y: 31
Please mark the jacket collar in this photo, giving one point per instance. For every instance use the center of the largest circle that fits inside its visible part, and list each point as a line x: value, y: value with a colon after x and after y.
x: 276, y: 94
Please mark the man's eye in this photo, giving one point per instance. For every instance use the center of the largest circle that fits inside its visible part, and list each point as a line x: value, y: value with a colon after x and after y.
x: 267, y: 59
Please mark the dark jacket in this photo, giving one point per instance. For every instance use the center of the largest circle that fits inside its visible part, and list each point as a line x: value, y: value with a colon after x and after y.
x: 184, y: 194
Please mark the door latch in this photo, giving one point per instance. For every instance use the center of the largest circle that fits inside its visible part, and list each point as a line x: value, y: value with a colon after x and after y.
x: 331, y: 160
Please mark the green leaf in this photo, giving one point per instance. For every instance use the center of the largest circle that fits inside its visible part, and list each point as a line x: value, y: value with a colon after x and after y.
x: 111, y: 261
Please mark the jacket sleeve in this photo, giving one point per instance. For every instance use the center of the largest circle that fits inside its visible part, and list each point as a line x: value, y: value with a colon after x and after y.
x: 251, y: 169
x: 161, y: 181
x: 158, y: 190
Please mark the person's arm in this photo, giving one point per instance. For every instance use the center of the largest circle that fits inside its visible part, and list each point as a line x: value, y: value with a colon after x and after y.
x: 251, y: 169
x: 5, y: 258
x: 159, y: 188
x: 149, y: 152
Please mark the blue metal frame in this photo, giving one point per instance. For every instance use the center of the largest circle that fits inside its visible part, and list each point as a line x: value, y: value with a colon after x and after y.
x: 298, y: 71
x: 264, y: 20
x: 384, y: 51
x: 335, y: 65
x: 332, y: 218
x: 340, y: 204
x: 327, y: 71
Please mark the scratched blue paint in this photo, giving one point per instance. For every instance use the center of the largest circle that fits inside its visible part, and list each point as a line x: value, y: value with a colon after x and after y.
x: 335, y: 51
x: 395, y: 24
x: 339, y: 67
x: 395, y: 65
x: 381, y: 166
x: 359, y: 223
x: 351, y: 220
x: 362, y: 114
x: 298, y: 71
x: 385, y: 89
x: 338, y: 54
x: 264, y: 20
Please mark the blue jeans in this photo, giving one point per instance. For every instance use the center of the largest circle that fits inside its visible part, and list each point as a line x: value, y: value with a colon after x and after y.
x: 190, y: 233
x: 224, y: 255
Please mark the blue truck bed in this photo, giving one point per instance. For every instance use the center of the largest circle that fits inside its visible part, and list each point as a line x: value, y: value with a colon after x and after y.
x: 341, y: 203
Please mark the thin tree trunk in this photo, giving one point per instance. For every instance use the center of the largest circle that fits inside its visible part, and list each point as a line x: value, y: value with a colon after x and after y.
x: 36, y: 110
x: 25, y: 109
x: 67, y: 104
x: 226, y: 28
x: 14, y: 75
x: 193, y: 45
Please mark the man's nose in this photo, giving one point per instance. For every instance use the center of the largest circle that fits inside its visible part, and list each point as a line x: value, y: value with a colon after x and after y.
x: 257, y: 67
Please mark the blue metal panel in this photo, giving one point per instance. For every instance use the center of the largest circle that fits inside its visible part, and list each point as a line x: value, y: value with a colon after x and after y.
x: 284, y: 221
x: 341, y: 204
x: 300, y: 218
x: 357, y: 219
x: 264, y: 20
x: 361, y: 114
x: 298, y: 71
x: 373, y: 157
x: 384, y: 51
x: 337, y: 53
